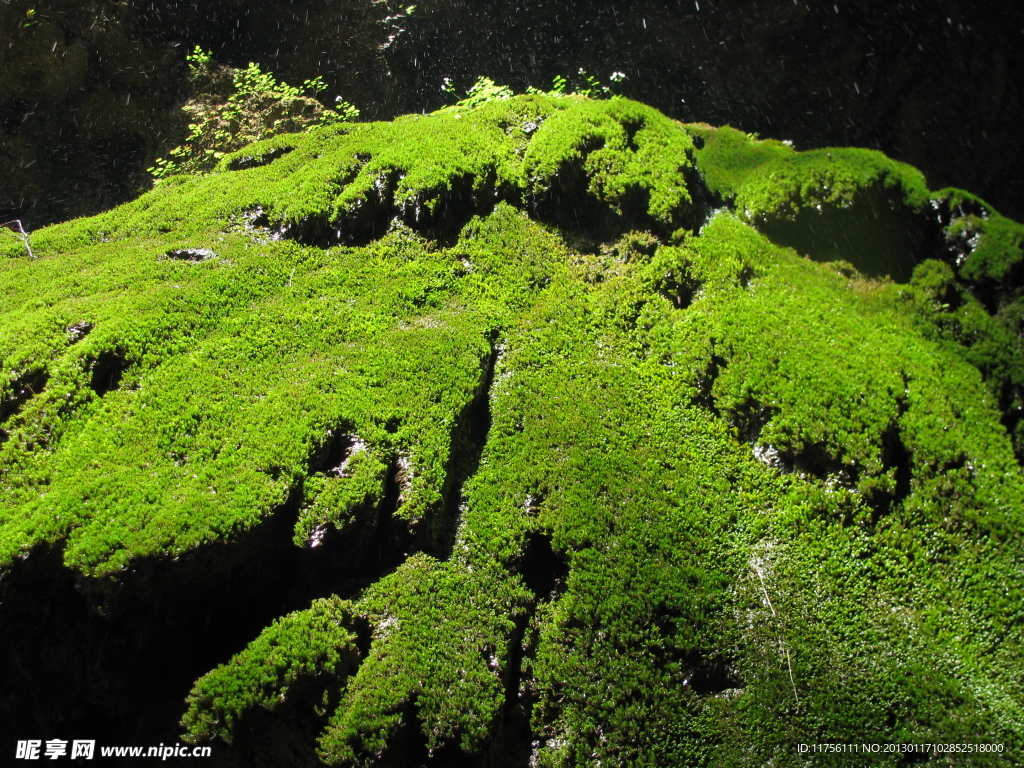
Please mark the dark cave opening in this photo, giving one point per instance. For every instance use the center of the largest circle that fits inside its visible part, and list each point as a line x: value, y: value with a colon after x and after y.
x: 366, y: 220
x: 545, y: 572
x: 709, y: 675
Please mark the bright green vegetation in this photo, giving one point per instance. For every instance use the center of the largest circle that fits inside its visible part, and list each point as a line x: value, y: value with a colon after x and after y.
x: 667, y: 492
x: 770, y: 178
x: 299, y: 646
x: 235, y: 107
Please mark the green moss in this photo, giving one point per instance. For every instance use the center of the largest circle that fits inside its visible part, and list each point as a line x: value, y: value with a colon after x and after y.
x: 729, y: 159
x: 623, y: 146
x: 1000, y: 250
x: 293, y: 651
x: 344, y: 497
x: 834, y: 204
x: 768, y: 179
x: 440, y: 647
x: 992, y: 246
x: 663, y: 489
x: 12, y: 244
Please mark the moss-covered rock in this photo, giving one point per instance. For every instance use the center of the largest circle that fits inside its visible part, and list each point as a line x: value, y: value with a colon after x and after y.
x: 538, y: 433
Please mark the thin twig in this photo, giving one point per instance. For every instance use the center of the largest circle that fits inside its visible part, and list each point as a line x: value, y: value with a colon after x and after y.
x: 22, y: 233
x: 782, y: 646
x: 790, y: 666
x: 757, y: 570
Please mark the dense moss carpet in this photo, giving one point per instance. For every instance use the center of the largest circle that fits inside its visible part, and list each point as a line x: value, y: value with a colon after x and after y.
x: 558, y: 433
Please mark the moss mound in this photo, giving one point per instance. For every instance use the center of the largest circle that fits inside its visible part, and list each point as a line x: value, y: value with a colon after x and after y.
x: 565, y: 451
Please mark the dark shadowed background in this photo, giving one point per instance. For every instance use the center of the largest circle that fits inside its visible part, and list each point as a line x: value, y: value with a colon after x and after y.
x: 90, y: 91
